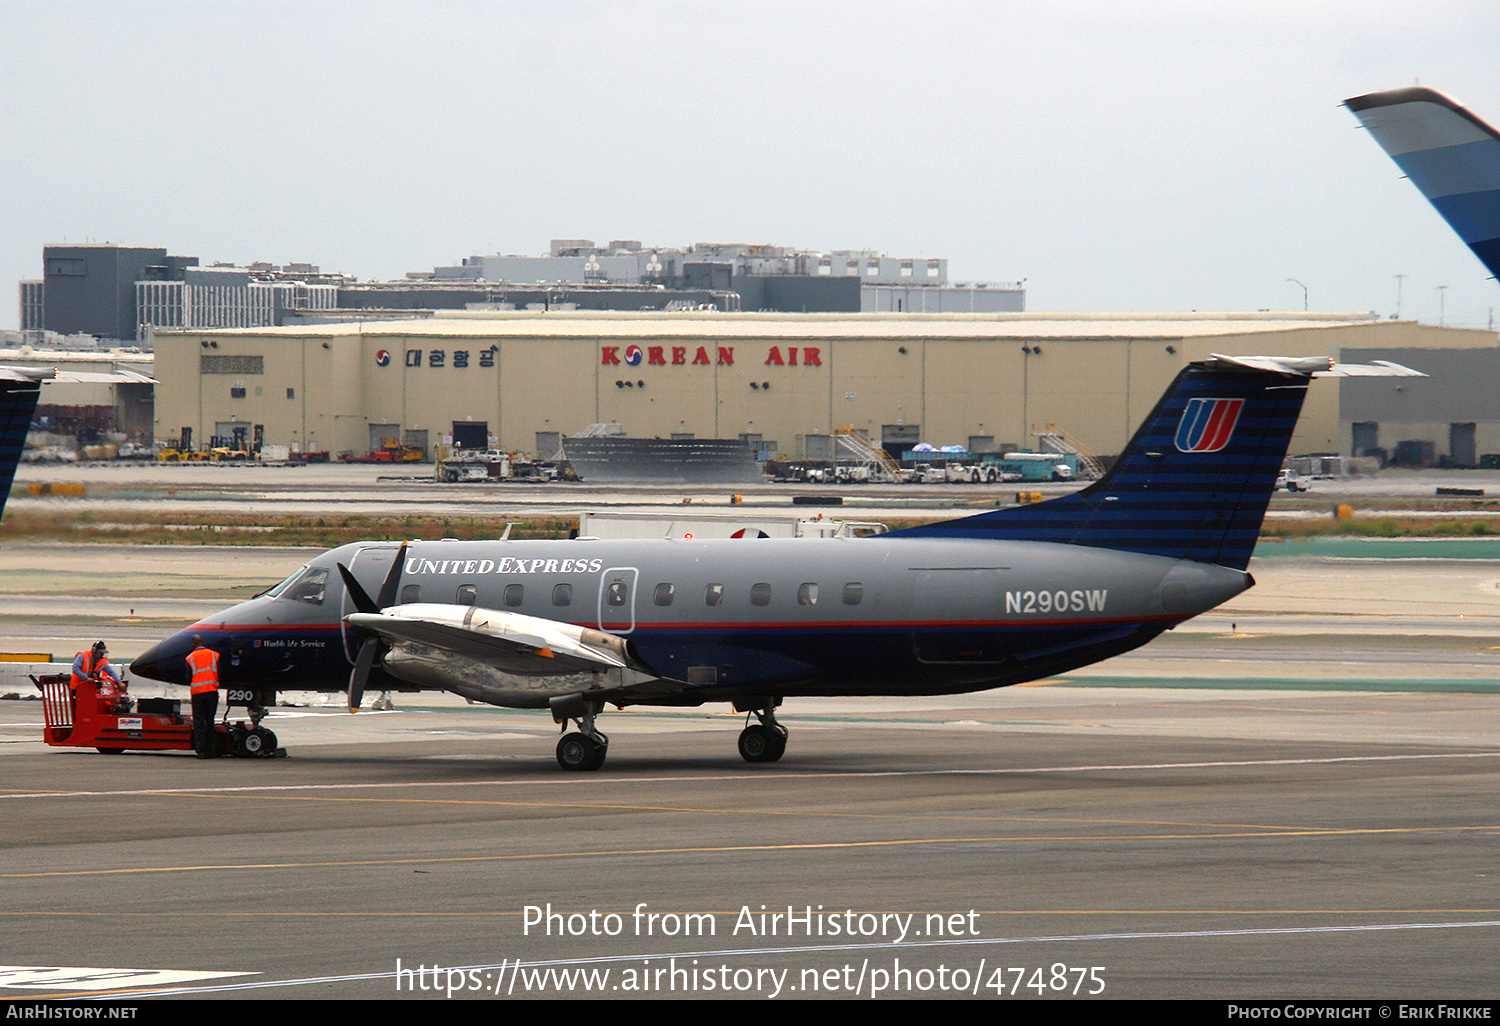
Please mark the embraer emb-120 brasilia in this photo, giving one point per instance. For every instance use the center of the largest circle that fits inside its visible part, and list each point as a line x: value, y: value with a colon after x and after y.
x: 963, y: 605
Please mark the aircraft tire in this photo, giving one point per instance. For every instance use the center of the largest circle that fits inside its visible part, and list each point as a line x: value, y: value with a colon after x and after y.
x: 260, y: 742
x: 580, y: 753
x: 759, y: 743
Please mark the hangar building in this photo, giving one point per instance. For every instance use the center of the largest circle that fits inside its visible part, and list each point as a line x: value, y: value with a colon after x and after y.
x: 516, y: 379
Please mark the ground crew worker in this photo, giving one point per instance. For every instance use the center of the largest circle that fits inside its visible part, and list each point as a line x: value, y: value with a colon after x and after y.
x: 92, y: 667
x: 203, y: 667
x: 93, y: 664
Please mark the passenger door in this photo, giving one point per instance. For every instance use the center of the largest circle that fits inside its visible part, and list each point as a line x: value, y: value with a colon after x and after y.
x: 617, y: 599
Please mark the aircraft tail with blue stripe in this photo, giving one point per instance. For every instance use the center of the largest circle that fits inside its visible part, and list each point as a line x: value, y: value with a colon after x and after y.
x: 1195, y: 481
x: 1449, y: 153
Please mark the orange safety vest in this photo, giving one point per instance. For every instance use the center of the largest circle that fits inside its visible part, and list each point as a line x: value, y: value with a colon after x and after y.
x: 90, y: 667
x: 204, y: 662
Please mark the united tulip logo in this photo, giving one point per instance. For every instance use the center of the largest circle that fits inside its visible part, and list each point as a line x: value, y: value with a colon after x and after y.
x: 1207, y: 424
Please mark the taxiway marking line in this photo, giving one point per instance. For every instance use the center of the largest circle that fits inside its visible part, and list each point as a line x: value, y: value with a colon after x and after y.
x: 709, y: 811
x: 746, y: 848
x: 763, y: 777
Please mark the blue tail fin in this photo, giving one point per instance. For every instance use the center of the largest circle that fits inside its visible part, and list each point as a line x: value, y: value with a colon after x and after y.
x: 1193, y: 483
x: 18, y: 399
x: 1449, y: 153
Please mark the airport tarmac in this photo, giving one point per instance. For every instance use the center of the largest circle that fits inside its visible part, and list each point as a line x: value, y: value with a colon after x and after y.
x: 1054, y: 841
x: 1290, y: 799
x: 1293, y: 796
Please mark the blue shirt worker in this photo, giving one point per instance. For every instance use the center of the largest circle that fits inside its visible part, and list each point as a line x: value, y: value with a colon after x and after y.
x: 93, y: 665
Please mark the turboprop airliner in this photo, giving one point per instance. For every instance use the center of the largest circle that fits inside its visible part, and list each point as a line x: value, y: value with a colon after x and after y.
x: 963, y: 605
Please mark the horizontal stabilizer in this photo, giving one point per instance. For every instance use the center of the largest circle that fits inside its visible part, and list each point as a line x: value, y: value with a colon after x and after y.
x: 1373, y: 369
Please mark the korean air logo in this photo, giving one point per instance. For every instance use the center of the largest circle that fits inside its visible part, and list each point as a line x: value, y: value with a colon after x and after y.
x: 1207, y: 424
x: 383, y: 358
x: 633, y: 355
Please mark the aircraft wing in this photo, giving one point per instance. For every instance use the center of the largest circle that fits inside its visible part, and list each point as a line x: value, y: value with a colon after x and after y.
x: 510, y: 659
x: 511, y: 642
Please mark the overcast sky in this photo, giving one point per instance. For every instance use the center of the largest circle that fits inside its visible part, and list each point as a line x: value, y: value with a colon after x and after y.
x: 1116, y: 155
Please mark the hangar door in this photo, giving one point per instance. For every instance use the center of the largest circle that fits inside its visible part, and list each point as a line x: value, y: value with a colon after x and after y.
x: 471, y: 434
x: 380, y: 433
x: 1461, y: 445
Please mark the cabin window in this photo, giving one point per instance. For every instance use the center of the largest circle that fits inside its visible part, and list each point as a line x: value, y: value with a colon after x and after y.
x: 713, y: 595
x: 411, y: 593
x: 562, y: 595
x: 308, y: 587
x: 807, y: 595
x: 662, y: 596
x: 760, y: 594
x: 513, y: 594
x: 854, y: 594
x: 466, y: 595
x: 615, y: 593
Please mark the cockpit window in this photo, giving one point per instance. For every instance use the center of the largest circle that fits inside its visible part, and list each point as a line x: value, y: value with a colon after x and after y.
x: 277, y: 589
x: 307, y: 586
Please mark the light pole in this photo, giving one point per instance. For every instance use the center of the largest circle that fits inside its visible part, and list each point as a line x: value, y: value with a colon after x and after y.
x: 1294, y: 281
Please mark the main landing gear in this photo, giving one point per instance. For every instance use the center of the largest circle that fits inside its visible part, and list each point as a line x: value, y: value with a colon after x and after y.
x: 586, y: 747
x: 764, y: 741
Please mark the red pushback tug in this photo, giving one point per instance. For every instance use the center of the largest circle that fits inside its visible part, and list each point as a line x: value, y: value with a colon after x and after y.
x: 101, y: 715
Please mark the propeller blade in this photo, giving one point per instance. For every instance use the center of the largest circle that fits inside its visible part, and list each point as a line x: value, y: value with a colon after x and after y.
x: 392, y: 580
x: 365, y: 661
x: 360, y: 675
x: 362, y: 602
